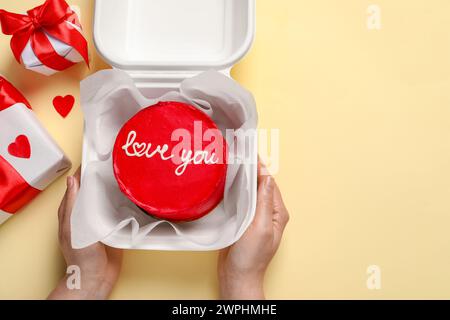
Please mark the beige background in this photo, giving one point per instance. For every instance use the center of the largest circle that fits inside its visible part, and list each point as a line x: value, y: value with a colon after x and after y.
x: 365, y: 157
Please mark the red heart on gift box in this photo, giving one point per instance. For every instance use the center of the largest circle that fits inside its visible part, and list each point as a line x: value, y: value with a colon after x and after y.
x: 20, y: 148
x: 63, y: 105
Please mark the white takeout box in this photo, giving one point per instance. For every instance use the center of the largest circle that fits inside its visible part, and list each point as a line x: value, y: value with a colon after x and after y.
x: 159, y: 43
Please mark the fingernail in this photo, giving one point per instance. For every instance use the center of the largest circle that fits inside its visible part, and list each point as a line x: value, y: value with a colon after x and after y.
x: 69, y: 182
x: 263, y: 171
x: 269, y: 181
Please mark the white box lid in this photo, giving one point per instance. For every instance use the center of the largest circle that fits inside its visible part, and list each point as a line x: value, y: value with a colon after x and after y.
x: 169, y: 40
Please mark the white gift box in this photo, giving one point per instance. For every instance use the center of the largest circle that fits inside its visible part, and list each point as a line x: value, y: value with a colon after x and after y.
x: 54, y: 20
x: 31, y: 61
x: 46, y: 160
x: 159, y: 44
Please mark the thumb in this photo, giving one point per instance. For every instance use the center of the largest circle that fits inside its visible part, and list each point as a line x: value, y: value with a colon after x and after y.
x: 264, y: 203
x: 73, y: 185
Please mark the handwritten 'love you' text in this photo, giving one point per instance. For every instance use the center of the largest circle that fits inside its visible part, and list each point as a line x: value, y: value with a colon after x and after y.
x: 146, y: 149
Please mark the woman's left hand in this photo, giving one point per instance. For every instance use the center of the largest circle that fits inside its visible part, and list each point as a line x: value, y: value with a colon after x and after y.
x: 98, y: 265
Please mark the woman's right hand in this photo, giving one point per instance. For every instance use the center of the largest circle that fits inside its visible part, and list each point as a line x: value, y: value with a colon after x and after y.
x: 241, y: 267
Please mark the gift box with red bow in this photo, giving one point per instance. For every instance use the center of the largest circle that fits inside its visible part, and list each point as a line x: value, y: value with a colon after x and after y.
x: 47, y: 39
x: 29, y: 158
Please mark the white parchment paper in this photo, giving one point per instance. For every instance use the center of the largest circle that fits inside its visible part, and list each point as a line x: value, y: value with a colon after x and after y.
x: 102, y: 213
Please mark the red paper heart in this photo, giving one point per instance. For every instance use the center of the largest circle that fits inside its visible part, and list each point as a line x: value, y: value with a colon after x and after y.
x: 63, y: 105
x: 20, y: 148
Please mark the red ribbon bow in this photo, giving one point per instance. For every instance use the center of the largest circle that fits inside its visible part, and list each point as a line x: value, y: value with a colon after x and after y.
x: 50, y: 18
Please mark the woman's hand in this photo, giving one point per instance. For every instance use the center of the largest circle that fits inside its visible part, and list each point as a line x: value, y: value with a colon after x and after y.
x: 242, y: 266
x: 98, y: 264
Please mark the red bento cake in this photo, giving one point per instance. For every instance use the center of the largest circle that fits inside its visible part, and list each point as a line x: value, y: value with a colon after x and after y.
x: 170, y: 160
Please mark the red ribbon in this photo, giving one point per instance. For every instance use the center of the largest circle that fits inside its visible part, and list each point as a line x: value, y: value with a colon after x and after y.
x: 50, y: 18
x: 9, y: 95
x: 15, y: 192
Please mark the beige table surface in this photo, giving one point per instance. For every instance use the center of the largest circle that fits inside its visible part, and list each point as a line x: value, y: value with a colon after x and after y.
x: 364, y: 119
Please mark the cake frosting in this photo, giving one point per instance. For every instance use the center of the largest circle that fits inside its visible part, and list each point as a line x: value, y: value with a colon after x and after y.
x: 170, y: 160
